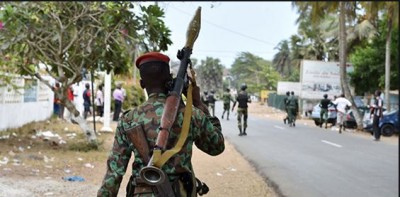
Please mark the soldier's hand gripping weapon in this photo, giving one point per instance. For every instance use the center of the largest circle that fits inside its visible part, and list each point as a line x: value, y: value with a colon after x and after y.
x: 152, y: 173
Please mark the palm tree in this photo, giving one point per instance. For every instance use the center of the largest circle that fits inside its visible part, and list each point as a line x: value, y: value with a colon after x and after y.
x: 317, y: 11
x: 281, y: 59
x: 391, y: 10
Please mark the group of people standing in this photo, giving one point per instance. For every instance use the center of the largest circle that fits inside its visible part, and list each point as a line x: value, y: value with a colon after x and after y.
x: 58, y: 107
x: 119, y: 95
x: 98, y: 101
x: 242, y: 99
x: 342, y: 105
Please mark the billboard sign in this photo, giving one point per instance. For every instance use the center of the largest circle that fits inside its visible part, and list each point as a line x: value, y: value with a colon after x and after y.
x: 318, y: 78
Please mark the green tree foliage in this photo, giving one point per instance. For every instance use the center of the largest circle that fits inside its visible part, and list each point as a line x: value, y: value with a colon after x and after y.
x: 68, y: 37
x: 369, y: 62
x: 346, y: 12
x: 209, y: 74
x: 257, y: 73
x: 281, y: 60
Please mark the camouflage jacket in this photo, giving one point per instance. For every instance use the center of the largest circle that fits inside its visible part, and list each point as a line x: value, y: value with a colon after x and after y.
x: 227, y: 98
x: 204, y: 131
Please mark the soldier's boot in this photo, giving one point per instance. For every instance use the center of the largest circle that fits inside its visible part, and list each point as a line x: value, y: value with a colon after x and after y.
x: 326, y: 125
x: 240, y: 130
x: 244, y: 131
x: 340, y: 128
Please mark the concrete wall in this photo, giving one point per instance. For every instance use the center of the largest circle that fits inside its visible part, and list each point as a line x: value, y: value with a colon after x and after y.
x: 31, y: 101
x: 17, y: 114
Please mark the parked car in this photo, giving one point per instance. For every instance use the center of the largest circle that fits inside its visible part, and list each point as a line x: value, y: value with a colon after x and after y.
x: 315, y: 115
x: 388, y: 125
x: 349, y: 121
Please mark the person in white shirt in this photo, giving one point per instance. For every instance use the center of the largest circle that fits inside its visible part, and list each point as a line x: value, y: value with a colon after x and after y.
x: 341, y: 104
x: 100, y: 101
x: 377, y: 114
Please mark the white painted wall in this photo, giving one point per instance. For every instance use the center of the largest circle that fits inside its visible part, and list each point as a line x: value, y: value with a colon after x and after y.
x: 16, y: 111
x: 15, y: 115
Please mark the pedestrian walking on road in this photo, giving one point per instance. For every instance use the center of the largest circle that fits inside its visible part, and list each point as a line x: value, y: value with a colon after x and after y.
x: 342, y: 104
x: 242, y: 98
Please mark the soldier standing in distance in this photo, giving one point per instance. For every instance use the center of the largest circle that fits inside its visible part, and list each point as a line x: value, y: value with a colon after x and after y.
x: 204, y: 98
x: 293, y: 107
x: 204, y: 131
x: 285, y: 105
x: 227, y: 98
x: 325, y: 103
x: 211, y: 101
x: 242, y: 98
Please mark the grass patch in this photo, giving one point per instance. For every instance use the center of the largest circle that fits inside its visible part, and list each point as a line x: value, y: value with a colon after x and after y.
x: 84, y: 146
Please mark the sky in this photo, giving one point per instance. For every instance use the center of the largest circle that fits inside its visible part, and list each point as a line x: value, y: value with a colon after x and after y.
x: 229, y: 28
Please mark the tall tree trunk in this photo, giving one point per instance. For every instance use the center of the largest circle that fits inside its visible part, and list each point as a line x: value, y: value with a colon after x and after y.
x: 387, y: 63
x: 342, y: 62
x: 87, y: 130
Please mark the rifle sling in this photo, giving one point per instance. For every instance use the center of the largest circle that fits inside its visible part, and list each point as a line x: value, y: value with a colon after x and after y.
x: 160, y: 159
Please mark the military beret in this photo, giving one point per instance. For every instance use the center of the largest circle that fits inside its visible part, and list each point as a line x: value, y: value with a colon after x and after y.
x: 151, y: 56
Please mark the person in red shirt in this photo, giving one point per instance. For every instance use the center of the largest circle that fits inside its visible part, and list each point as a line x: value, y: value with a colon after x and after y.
x: 70, y: 96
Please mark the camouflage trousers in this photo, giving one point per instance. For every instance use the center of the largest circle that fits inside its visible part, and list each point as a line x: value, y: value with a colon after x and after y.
x: 226, y: 109
x: 292, y: 112
x: 242, y: 112
x: 323, y: 116
x: 212, y: 108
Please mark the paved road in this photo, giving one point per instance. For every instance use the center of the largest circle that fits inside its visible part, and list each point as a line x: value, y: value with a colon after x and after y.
x: 309, y: 161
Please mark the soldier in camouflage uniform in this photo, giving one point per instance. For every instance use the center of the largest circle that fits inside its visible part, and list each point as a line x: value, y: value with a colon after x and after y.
x: 204, y: 131
x: 227, y: 98
x: 293, y: 108
x: 242, y: 98
x: 286, y: 107
x: 211, y: 102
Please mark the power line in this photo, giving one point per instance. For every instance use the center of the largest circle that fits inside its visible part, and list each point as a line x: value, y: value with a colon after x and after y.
x: 226, y: 29
x: 224, y: 51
